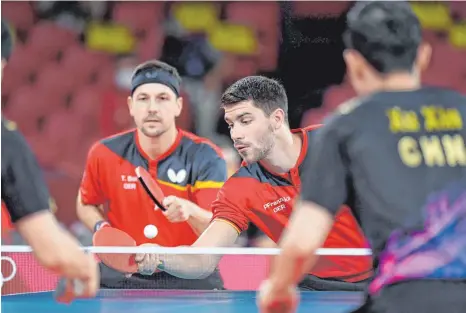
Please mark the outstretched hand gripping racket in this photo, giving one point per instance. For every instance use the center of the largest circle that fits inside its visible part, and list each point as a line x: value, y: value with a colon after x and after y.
x: 151, y: 187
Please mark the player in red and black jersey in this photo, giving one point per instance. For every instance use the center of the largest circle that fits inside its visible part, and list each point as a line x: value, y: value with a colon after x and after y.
x: 396, y: 155
x: 189, y: 169
x: 263, y: 190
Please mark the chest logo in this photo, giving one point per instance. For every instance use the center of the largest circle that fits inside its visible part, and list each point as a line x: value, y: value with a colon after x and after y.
x: 129, y: 182
x: 277, y: 205
x: 175, y: 177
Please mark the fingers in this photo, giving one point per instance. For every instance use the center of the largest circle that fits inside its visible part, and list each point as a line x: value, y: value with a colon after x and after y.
x: 148, y: 265
x: 169, y: 200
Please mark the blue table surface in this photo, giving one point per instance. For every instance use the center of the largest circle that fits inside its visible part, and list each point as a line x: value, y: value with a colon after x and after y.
x: 158, y: 301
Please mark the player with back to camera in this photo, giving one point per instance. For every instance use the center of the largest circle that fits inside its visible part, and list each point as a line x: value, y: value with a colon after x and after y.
x: 26, y: 198
x: 263, y: 189
x: 189, y: 169
x: 396, y: 156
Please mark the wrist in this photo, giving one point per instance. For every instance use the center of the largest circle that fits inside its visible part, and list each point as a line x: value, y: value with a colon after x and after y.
x: 100, y: 224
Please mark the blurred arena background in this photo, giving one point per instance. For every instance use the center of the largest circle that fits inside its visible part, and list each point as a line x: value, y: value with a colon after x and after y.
x: 67, y: 82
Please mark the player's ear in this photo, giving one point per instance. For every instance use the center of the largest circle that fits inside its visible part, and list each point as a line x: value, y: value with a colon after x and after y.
x: 424, y: 54
x: 278, y: 118
x: 129, y: 101
x: 179, y: 106
x: 354, y: 63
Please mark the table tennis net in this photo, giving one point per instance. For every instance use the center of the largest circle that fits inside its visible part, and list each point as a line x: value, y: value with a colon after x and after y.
x: 238, y: 268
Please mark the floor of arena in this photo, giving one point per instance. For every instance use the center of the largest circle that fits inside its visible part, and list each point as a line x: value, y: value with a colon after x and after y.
x: 142, y: 301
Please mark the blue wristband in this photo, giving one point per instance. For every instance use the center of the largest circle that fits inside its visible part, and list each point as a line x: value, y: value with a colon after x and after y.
x: 100, y: 224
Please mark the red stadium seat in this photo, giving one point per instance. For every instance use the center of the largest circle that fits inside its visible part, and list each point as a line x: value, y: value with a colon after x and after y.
x: 26, y: 106
x: 314, y: 116
x: 138, y: 16
x: 56, y: 81
x: 20, y: 69
x: 458, y: 9
x: 264, y: 18
x: 47, y: 40
x: 18, y: 13
x: 336, y: 95
x: 82, y: 64
x: 86, y: 106
x: 151, y: 46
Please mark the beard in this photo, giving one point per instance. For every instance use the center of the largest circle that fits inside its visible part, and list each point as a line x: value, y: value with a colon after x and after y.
x: 153, y: 132
x: 262, y: 150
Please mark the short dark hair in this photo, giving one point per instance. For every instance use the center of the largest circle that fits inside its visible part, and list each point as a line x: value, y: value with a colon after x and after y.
x: 386, y: 33
x: 157, y: 65
x: 267, y: 94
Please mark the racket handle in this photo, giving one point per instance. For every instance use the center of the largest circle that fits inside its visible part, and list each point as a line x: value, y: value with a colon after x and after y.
x: 65, y: 294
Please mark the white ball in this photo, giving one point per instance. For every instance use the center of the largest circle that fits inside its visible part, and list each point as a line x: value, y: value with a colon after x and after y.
x: 150, y: 231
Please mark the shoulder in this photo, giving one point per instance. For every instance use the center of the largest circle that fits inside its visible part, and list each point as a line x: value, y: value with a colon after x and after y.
x: 116, y: 143
x: 199, y: 148
x: 13, y: 139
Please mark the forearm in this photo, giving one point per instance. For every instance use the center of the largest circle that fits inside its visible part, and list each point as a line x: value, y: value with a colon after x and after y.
x: 89, y: 215
x: 189, y: 266
x: 199, y: 219
x: 54, y: 247
x: 305, y: 233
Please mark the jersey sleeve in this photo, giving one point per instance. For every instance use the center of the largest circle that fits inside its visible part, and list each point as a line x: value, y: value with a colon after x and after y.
x: 231, y: 205
x: 211, y: 174
x: 91, y: 186
x: 24, y: 190
x: 324, y: 176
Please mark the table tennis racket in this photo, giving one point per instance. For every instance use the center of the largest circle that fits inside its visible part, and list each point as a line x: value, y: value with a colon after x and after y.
x: 113, y: 237
x: 67, y: 290
x: 151, y: 187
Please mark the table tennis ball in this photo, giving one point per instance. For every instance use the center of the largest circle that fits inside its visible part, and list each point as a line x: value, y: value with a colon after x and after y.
x: 150, y: 231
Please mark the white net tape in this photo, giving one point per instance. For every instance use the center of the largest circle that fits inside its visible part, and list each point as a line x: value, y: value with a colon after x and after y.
x: 238, y: 269
x: 201, y: 250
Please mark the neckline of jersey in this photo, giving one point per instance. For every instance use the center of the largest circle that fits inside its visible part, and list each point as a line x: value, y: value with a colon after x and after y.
x: 302, y: 155
x: 167, y: 153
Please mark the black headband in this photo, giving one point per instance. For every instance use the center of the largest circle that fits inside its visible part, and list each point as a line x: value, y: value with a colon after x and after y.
x: 155, y: 76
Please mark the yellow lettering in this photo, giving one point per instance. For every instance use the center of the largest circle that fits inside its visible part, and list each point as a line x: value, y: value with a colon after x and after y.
x: 441, y: 119
x: 430, y: 118
x: 452, y: 119
x: 402, y: 121
x: 454, y: 150
x: 409, y: 152
x: 432, y: 150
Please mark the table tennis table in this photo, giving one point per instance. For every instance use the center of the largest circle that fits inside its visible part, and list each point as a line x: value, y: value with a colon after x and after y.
x: 158, y: 301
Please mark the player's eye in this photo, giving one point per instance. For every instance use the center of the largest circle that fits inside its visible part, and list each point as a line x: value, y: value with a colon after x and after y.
x: 163, y: 98
x: 246, y: 121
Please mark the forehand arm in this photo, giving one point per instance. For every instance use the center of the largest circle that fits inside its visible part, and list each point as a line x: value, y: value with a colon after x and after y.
x: 189, y: 266
x: 89, y: 215
x: 53, y: 246
x: 218, y: 234
x: 199, y: 219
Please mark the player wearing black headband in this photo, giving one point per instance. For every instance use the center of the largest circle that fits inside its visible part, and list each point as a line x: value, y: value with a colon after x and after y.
x: 397, y: 157
x: 26, y: 197
x: 189, y: 169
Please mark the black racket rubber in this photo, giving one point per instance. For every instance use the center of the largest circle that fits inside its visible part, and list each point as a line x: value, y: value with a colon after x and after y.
x: 160, y: 205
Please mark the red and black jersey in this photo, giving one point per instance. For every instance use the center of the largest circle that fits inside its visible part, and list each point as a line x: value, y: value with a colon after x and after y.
x: 256, y: 194
x: 192, y: 168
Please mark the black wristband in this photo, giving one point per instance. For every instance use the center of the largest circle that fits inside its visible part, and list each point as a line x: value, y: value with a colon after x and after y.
x: 99, y: 225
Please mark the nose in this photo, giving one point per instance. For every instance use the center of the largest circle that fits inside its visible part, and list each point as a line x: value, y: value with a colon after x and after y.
x: 236, y: 134
x: 153, y: 106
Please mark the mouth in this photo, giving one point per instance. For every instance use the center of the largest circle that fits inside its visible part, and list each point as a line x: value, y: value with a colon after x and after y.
x: 241, y: 147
